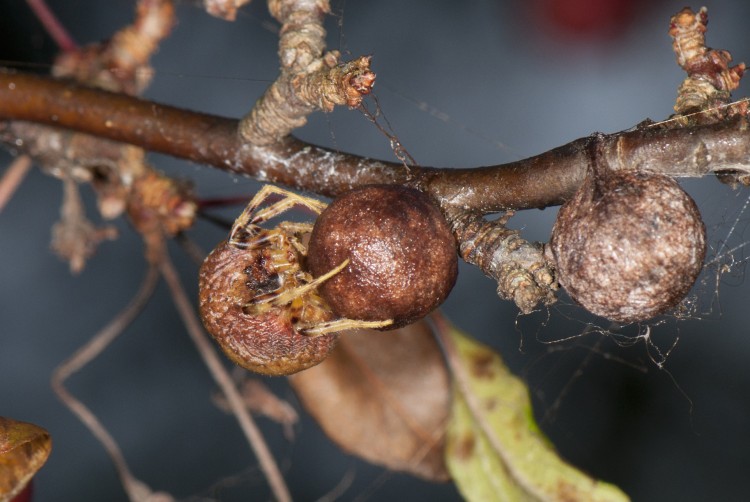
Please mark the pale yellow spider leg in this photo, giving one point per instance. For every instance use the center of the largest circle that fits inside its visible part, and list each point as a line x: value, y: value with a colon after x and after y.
x: 247, y: 222
x: 286, y: 231
x: 287, y: 296
x: 242, y: 228
x: 325, y: 328
x: 293, y: 229
x: 290, y: 199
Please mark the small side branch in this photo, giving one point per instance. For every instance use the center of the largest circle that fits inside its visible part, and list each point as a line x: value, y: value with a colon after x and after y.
x: 519, y: 267
x: 74, y: 237
x: 710, y: 80
x: 121, y: 63
x: 12, y: 177
x: 310, y: 80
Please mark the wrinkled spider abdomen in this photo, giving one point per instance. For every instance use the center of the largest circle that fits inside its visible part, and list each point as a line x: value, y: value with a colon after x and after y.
x: 258, y: 335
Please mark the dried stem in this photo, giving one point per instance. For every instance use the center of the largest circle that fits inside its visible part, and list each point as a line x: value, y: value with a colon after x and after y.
x: 224, y: 9
x: 310, y: 80
x: 74, y: 237
x: 52, y: 25
x: 259, y: 399
x: 519, y: 267
x: 136, y: 490
x: 224, y: 380
x: 12, y: 177
x: 121, y: 63
x: 544, y: 180
x: 710, y: 80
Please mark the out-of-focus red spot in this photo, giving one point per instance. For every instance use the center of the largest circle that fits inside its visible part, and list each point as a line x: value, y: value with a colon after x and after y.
x: 585, y: 18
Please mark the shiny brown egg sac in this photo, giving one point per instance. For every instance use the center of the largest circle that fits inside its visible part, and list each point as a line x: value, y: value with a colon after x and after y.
x: 628, y: 246
x: 402, y: 254
x: 259, y: 335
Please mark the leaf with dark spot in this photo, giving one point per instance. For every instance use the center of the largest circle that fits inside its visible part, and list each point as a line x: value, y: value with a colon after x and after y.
x: 495, y: 450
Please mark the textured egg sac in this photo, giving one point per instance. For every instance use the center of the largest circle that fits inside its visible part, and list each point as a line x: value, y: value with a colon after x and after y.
x: 628, y: 246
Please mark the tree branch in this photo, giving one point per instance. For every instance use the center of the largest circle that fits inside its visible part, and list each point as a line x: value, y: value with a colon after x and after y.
x: 544, y: 180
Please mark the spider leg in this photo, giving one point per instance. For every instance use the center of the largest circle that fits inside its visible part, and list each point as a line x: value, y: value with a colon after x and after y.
x: 286, y: 297
x: 246, y: 224
x: 289, y: 200
x: 325, y: 328
x: 293, y: 230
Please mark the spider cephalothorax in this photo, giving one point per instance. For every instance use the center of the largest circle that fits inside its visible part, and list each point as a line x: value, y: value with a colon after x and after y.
x: 256, y: 299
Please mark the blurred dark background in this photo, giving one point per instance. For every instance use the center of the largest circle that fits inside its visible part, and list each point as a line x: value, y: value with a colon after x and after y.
x: 462, y: 84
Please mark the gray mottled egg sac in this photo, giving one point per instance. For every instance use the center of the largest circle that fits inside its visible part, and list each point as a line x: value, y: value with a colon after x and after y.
x: 628, y: 246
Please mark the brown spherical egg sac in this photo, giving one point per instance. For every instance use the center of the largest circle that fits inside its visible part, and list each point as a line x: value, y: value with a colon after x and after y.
x: 402, y: 254
x: 628, y: 246
x: 266, y: 341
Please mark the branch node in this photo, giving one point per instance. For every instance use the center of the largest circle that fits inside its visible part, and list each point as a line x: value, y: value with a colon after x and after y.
x: 310, y: 79
x: 519, y: 267
x: 120, y: 64
x: 710, y: 79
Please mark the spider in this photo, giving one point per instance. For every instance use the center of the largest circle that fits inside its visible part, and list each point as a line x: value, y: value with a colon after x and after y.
x: 257, y: 300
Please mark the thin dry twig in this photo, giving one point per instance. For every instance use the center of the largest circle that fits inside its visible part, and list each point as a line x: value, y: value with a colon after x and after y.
x: 74, y: 237
x: 310, y: 79
x: 260, y: 400
x: 121, y: 63
x: 710, y: 80
x: 52, y: 25
x: 12, y: 178
x: 224, y: 380
x: 137, y: 490
x: 519, y: 267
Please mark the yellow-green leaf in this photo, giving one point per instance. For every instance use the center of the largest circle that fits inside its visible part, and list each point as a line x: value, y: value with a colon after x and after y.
x: 495, y: 450
x: 24, y: 448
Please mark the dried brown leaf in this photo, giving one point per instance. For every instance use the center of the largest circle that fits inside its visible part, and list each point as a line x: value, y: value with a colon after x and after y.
x: 385, y: 397
x: 24, y: 448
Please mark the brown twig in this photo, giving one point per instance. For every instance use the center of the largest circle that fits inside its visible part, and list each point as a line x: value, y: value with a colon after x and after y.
x: 710, y: 80
x: 310, y: 79
x: 12, y: 177
x: 714, y: 141
x: 547, y: 179
x: 259, y: 399
x: 519, y: 267
x: 224, y: 380
x: 52, y: 25
x: 136, y: 489
x: 544, y: 180
x: 121, y: 63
